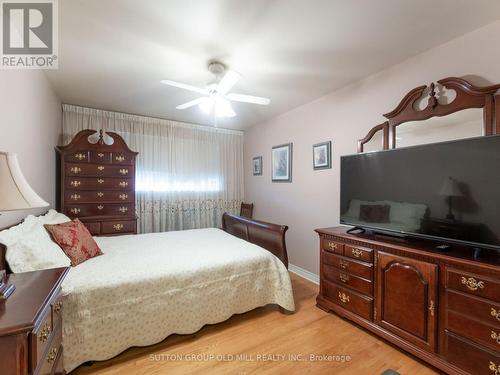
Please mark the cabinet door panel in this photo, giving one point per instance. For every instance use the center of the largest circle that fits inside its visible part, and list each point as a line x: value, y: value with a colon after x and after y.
x: 407, y: 299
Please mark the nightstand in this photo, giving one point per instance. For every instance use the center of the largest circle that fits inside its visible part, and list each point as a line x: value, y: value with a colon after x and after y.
x: 31, y: 322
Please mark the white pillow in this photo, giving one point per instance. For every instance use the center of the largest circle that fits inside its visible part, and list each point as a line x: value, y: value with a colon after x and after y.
x: 29, y: 246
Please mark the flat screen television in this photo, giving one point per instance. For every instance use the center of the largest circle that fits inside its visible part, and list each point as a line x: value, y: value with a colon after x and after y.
x: 447, y: 191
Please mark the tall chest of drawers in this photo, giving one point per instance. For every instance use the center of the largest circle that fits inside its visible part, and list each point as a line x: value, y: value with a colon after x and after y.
x: 443, y: 307
x: 97, y: 183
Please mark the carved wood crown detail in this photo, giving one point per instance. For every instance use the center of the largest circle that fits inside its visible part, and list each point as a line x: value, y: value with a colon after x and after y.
x: 467, y: 96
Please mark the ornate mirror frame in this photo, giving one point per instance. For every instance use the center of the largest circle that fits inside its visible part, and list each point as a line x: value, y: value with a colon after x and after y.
x: 467, y: 96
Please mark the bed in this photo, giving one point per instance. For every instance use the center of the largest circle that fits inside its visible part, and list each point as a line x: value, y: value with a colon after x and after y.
x: 147, y: 287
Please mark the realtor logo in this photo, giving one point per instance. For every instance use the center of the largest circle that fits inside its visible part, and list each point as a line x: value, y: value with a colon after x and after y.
x: 29, y: 34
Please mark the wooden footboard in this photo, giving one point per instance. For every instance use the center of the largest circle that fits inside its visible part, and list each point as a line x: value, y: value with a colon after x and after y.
x: 267, y: 235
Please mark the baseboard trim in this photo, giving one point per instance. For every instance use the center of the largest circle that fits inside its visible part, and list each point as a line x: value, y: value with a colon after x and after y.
x: 312, y: 277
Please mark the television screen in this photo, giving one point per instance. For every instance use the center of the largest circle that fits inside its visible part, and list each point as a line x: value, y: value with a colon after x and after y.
x: 448, y: 191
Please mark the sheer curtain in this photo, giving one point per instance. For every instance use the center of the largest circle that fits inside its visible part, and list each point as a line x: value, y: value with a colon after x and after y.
x: 187, y: 175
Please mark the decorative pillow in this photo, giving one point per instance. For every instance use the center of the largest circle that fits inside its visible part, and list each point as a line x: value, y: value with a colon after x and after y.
x: 29, y: 246
x: 374, y: 213
x: 75, y: 240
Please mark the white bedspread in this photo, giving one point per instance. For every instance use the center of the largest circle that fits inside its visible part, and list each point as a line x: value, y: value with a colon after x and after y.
x: 147, y: 287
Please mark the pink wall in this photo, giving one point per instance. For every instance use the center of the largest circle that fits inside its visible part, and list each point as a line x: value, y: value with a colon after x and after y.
x: 30, y: 125
x: 312, y: 199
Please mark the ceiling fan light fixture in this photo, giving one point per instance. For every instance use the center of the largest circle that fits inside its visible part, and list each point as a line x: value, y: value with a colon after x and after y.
x: 206, y: 105
x: 223, y: 108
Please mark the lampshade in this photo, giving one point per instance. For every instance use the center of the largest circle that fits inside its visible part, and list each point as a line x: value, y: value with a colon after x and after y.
x: 15, y: 192
x: 450, y: 188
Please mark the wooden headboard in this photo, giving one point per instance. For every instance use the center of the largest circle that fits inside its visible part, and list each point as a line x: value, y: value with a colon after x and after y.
x: 3, y: 262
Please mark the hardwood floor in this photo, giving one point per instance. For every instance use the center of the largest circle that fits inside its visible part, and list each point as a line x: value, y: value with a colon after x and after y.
x: 266, y: 331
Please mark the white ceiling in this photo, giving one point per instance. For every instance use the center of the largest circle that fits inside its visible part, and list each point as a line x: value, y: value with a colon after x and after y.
x: 113, y: 53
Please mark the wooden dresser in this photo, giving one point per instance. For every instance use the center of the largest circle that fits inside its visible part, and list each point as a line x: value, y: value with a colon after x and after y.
x: 443, y: 307
x: 31, y: 324
x: 97, y: 183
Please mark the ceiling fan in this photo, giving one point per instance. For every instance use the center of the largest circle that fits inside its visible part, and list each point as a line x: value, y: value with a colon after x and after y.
x: 217, y: 98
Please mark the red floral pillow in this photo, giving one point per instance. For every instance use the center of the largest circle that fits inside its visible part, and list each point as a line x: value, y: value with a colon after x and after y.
x: 75, y: 240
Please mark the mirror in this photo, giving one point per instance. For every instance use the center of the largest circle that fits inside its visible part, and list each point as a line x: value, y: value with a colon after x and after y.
x: 376, y: 143
x: 467, y: 123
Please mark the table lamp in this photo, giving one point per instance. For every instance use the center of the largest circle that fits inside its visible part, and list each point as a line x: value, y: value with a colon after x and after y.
x: 450, y: 189
x: 15, y: 194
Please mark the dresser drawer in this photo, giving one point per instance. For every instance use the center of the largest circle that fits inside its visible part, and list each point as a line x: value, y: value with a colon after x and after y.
x: 477, y: 331
x: 343, y: 278
x: 471, y: 357
x: 473, y: 307
x: 98, y: 170
x: 358, y: 304
x: 79, y: 156
x: 93, y: 227
x: 98, y: 183
x: 57, y: 307
x: 114, y: 227
x: 473, y: 284
x: 50, y: 360
x: 100, y: 157
x: 41, y: 337
x: 332, y: 246
x: 361, y: 269
x: 122, y: 159
x: 107, y: 196
x: 100, y: 209
x: 360, y: 253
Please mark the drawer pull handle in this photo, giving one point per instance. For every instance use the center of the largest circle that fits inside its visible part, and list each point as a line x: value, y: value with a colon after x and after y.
x: 101, y: 168
x: 123, y: 171
x: 344, y: 297
x: 123, y: 209
x: 100, y: 194
x: 80, y: 156
x: 75, y: 170
x: 332, y: 245
x: 118, y: 227
x: 123, y: 184
x: 45, y: 332
x: 75, y: 211
x: 100, y: 180
x: 494, y: 368
x: 75, y: 197
x: 343, y: 264
x: 495, y: 336
x: 100, y: 207
x: 100, y: 154
x: 432, y: 307
x: 123, y: 196
x: 120, y: 158
x: 495, y: 314
x: 357, y: 253
x: 58, y: 307
x: 472, y: 283
x: 52, y: 355
x: 344, y: 278
x: 75, y: 183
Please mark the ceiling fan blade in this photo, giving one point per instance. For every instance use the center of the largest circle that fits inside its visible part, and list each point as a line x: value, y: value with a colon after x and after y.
x: 190, y: 104
x: 248, y: 99
x: 185, y: 86
x: 228, y: 81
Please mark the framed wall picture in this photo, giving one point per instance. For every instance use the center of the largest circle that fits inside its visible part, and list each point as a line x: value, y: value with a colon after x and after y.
x: 322, y: 155
x: 257, y: 166
x: 282, y: 163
